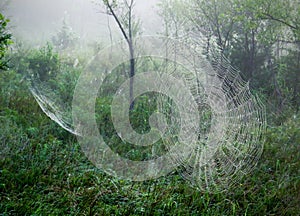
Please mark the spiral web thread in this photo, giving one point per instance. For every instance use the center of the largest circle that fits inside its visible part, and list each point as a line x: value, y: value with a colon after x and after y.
x: 233, y: 141
x: 224, y: 145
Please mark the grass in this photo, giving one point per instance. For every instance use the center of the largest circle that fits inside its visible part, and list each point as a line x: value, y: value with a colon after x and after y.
x: 46, y: 174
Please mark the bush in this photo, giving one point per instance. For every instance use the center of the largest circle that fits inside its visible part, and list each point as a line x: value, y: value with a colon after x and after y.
x: 5, y: 41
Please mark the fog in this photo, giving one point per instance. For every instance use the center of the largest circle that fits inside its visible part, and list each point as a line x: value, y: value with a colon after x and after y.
x: 36, y: 21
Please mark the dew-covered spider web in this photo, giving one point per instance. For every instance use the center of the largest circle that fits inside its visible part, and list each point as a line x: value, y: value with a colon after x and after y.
x: 232, y: 120
x: 192, y: 112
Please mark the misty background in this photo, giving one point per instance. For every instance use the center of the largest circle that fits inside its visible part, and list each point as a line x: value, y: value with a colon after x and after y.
x: 37, y: 21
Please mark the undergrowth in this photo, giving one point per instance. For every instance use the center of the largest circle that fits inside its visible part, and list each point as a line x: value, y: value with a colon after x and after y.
x: 44, y: 172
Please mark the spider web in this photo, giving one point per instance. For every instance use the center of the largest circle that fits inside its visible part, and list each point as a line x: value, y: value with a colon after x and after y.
x: 231, y: 143
x: 230, y: 118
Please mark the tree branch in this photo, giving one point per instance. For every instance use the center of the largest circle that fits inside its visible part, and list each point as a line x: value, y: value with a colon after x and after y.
x: 269, y: 16
x: 111, y: 10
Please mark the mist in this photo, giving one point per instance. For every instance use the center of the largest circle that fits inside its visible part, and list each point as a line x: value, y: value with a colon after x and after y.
x: 36, y: 21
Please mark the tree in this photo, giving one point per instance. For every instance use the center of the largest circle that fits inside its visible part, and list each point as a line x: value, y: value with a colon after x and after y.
x: 65, y: 38
x: 255, y: 35
x: 5, y: 41
x: 129, y: 29
x: 284, y: 16
x: 173, y: 16
x: 286, y: 13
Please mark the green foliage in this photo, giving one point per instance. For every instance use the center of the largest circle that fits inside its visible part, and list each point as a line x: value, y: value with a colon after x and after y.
x: 41, y: 175
x: 5, y: 41
x: 289, y: 79
x: 113, y: 3
x: 139, y: 119
x: 259, y: 37
x: 44, y: 172
x: 43, y: 64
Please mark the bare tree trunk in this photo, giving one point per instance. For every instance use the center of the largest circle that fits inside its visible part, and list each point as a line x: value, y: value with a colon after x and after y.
x: 132, y: 61
x: 253, y: 50
x: 132, y: 73
x: 129, y: 39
